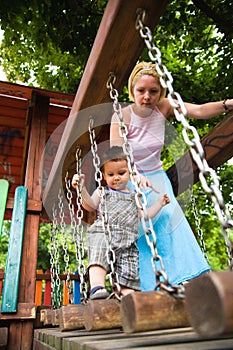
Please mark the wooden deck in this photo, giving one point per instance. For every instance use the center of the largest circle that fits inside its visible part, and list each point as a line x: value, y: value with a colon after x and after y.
x: 180, y: 338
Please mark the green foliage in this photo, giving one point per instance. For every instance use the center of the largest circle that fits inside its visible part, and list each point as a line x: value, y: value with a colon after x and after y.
x: 44, y: 248
x: 4, y: 243
x: 47, y: 43
x: 66, y: 249
x: 206, y: 225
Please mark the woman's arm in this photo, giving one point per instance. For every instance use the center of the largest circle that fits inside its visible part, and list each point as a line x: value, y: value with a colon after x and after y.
x: 208, y: 110
x: 203, y: 111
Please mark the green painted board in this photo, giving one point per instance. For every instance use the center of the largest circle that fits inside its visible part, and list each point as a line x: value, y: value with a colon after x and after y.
x: 12, y: 275
x: 4, y: 186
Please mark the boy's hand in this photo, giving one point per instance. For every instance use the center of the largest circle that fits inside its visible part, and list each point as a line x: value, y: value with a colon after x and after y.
x: 76, y: 179
x: 164, y: 200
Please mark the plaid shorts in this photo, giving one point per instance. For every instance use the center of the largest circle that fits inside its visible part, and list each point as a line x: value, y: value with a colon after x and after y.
x: 123, y: 223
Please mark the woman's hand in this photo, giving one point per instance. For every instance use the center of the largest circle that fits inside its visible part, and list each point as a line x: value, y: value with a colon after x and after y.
x: 145, y: 183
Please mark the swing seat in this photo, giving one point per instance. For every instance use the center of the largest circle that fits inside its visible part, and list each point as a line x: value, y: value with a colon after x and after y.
x: 146, y: 311
x: 71, y: 317
x: 46, y: 317
x: 102, y: 314
x: 209, y: 300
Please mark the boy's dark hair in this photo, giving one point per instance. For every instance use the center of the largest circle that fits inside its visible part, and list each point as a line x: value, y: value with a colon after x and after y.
x: 114, y: 153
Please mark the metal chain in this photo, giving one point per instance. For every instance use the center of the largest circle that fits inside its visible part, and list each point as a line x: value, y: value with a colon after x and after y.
x: 198, y: 224
x: 80, y: 247
x: 54, y: 262
x: 111, y: 258
x: 78, y: 229
x: 64, y: 235
x: 193, y: 140
x: 140, y: 197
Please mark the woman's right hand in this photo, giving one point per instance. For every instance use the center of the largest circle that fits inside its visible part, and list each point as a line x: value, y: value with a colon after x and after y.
x: 145, y: 183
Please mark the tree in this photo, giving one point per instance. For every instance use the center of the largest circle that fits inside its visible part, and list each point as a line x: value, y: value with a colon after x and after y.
x: 47, y: 43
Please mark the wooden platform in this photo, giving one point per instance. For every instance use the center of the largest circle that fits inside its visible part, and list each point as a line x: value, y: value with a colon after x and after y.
x: 182, y: 338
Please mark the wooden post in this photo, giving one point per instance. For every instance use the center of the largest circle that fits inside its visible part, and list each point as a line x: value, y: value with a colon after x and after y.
x: 3, y: 337
x: 145, y: 311
x: 102, y: 314
x: 209, y: 300
x: 21, y: 333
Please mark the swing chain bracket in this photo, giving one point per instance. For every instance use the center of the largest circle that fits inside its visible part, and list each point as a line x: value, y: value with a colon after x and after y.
x: 196, y: 148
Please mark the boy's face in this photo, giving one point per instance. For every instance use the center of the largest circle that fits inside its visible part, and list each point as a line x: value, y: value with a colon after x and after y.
x: 116, y: 174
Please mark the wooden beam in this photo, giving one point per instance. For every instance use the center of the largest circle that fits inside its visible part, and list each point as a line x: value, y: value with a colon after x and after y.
x: 117, y: 48
x: 218, y: 149
x: 32, y: 205
x: 25, y: 92
x: 26, y: 311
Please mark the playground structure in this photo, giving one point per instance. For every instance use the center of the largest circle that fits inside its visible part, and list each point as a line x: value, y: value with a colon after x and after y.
x: 45, y: 111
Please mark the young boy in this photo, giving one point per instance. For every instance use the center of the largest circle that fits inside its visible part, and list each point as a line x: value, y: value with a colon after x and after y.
x: 123, y: 218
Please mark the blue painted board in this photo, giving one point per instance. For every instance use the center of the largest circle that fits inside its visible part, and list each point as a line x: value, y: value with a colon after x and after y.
x: 77, y: 294
x: 4, y: 186
x: 12, y: 275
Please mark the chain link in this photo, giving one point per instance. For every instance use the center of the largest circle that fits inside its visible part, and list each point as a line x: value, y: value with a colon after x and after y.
x: 54, y: 263
x: 65, y: 239
x: 190, y: 135
x: 80, y: 246
x: 198, y: 224
x: 78, y: 228
x: 111, y: 258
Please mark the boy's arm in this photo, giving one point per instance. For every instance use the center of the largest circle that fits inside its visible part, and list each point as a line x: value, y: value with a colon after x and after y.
x: 90, y: 203
x: 158, y: 205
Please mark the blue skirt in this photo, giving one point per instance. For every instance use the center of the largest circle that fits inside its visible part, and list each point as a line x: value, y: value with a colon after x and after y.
x: 176, y: 243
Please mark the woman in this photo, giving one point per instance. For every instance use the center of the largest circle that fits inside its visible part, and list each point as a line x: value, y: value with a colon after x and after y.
x: 145, y: 120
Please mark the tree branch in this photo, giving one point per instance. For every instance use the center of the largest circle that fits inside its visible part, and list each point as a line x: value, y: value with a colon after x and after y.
x: 224, y: 24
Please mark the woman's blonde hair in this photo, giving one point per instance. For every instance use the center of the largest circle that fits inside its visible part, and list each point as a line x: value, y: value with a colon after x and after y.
x: 139, y: 70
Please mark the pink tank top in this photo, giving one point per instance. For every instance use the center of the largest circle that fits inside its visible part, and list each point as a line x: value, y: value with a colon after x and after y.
x: 146, y: 136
